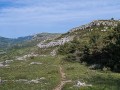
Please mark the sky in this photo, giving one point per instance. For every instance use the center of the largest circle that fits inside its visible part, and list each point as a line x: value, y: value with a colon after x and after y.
x: 26, y: 17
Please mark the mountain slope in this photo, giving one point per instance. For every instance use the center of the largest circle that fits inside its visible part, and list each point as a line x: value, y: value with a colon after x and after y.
x: 84, y: 32
x: 6, y: 43
x: 96, y: 44
x: 24, y: 67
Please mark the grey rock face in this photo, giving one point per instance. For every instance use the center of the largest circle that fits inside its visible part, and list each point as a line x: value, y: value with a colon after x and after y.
x: 8, y: 61
x: 54, y: 42
x: 3, y: 64
x: 35, y: 63
x: 53, y: 53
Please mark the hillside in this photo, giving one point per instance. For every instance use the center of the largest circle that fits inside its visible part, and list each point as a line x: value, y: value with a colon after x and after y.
x: 27, y: 41
x: 70, y: 61
x: 8, y: 42
x: 4, y: 42
x: 97, y: 28
x: 96, y: 44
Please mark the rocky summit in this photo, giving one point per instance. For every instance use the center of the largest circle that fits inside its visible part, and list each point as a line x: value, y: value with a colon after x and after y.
x: 98, y: 23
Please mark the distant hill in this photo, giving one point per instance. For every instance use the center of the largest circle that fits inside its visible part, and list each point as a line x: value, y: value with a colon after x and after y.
x: 6, y: 43
x: 22, y: 39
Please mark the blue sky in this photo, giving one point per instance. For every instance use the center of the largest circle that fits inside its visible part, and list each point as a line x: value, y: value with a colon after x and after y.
x: 26, y: 17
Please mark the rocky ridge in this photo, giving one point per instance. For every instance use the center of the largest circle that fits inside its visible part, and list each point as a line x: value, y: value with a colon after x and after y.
x: 98, y: 23
x: 67, y: 38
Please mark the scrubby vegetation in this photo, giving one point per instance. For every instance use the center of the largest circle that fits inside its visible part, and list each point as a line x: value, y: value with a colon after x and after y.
x: 95, y: 47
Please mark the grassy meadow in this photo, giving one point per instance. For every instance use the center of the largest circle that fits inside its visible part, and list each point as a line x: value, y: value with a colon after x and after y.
x: 23, y: 70
x: 49, y: 69
x: 100, y: 80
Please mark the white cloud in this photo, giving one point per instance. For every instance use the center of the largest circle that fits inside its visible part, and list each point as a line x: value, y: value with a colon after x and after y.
x: 41, y: 13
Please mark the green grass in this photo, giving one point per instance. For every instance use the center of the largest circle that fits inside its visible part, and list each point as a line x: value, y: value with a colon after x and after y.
x: 23, y: 70
x: 99, y: 79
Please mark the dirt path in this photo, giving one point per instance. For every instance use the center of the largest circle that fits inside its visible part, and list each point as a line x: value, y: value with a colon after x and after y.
x: 63, y: 79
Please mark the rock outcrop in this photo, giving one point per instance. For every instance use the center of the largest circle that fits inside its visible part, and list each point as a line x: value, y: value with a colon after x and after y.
x: 54, y: 42
x: 35, y: 63
x: 26, y: 56
x: 80, y: 84
x: 98, y: 23
x: 5, y: 63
